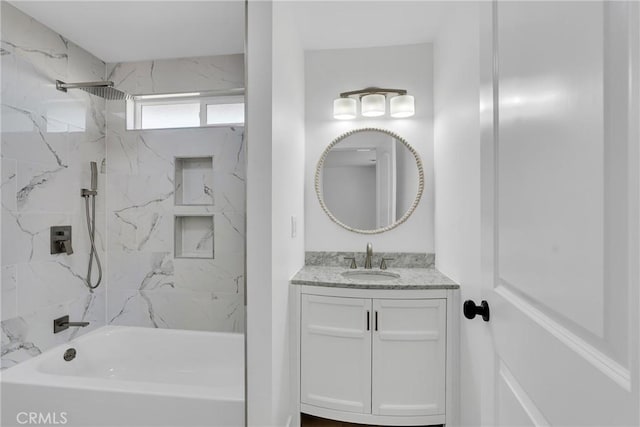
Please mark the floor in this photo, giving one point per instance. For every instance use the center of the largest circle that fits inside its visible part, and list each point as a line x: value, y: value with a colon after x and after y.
x: 311, y: 421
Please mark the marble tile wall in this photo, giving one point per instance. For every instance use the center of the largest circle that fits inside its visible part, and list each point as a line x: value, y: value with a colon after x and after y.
x: 147, y: 285
x: 48, y: 139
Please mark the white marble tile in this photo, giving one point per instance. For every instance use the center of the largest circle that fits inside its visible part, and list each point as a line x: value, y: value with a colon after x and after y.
x: 28, y: 137
x: 28, y: 335
x: 40, y: 56
x: 9, y: 291
x: 162, y: 291
x: 229, y: 233
x: 15, y: 346
x: 153, y: 157
x: 83, y: 66
x: 48, y: 138
x: 34, y: 42
x: 179, y: 75
x: 176, y: 310
x: 47, y: 188
x: 91, y: 307
x: 140, y: 228
x: 139, y: 212
x: 194, y: 236
x: 141, y: 270
x: 122, y: 151
x: 44, y: 284
x: 26, y: 236
x: 210, y: 275
x: 9, y: 186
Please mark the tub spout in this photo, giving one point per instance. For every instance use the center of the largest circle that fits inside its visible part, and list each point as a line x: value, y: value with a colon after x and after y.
x: 62, y: 323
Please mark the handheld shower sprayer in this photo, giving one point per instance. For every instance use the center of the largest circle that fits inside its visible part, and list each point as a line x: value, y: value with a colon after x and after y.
x: 94, y: 176
x: 91, y: 224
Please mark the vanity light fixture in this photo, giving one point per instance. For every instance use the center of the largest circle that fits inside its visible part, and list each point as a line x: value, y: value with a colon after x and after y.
x: 373, y: 103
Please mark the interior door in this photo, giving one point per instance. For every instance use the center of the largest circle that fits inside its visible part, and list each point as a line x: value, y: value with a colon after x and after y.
x: 560, y: 212
x: 409, y: 353
x: 336, y: 353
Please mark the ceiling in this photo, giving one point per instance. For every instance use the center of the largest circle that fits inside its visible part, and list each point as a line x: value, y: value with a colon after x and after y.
x: 359, y: 24
x: 119, y: 31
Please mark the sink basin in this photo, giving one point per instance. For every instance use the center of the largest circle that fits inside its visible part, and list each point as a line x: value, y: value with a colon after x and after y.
x: 370, y: 275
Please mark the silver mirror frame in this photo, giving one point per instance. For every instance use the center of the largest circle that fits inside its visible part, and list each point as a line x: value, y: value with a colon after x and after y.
x: 406, y: 216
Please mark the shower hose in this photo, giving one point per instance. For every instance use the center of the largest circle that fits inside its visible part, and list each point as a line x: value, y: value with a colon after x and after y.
x: 91, y: 226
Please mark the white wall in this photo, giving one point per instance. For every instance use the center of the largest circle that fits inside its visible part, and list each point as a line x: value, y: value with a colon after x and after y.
x: 457, y: 177
x: 258, y: 134
x: 275, y: 154
x: 329, y: 72
x: 287, y: 194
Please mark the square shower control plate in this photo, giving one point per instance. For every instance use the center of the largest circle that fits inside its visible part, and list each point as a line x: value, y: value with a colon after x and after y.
x: 59, y: 233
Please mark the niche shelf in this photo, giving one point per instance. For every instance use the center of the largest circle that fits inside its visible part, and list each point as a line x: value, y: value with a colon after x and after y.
x: 194, y: 236
x: 194, y: 181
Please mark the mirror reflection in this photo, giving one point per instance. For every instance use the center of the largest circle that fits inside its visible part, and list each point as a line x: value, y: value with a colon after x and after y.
x: 369, y: 180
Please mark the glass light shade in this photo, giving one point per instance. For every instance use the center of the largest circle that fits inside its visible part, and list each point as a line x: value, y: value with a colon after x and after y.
x: 373, y: 105
x: 402, y: 106
x: 344, y: 108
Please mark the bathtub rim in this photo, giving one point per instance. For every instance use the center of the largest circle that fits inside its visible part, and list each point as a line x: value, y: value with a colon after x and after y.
x: 27, y: 372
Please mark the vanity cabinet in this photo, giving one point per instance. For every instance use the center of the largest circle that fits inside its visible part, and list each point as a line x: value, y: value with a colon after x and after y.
x: 375, y: 357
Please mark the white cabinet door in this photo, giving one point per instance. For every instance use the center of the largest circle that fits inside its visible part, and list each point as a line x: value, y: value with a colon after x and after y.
x: 336, y: 353
x: 409, y: 351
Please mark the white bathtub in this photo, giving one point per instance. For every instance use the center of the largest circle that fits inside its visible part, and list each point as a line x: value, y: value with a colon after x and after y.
x: 129, y: 376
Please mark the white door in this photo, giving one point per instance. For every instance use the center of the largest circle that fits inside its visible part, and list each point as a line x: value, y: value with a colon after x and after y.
x: 336, y: 353
x: 409, y: 352
x: 560, y: 213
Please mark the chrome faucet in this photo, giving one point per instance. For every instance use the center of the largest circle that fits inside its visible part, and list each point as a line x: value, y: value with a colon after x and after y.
x: 367, y: 260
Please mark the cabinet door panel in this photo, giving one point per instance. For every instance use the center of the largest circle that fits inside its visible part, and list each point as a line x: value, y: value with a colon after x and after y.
x: 336, y: 353
x: 409, y: 351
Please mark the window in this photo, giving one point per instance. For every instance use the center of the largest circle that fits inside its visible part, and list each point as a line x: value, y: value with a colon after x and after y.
x: 184, y: 110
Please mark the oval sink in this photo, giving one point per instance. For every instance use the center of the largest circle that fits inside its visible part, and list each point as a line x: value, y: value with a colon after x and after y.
x: 370, y: 275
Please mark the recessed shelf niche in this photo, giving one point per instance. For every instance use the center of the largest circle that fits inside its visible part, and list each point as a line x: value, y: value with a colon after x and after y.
x: 194, y: 236
x: 194, y: 181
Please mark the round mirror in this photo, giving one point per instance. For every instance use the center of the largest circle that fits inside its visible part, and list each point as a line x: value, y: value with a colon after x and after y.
x: 369, y: 180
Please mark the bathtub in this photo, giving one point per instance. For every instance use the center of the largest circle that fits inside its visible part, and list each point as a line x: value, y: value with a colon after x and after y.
x: 129, y: 376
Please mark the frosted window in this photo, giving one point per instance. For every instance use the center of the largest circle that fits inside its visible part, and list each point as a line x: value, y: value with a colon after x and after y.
x: 170, y: 115
x: 219, y: 114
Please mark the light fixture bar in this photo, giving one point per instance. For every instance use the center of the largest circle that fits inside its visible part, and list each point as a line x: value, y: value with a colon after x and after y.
x: 373, y: 103
x: 372, y: 90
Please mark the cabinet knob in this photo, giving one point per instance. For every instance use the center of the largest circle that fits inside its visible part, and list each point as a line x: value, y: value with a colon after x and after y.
x: 470, y: 310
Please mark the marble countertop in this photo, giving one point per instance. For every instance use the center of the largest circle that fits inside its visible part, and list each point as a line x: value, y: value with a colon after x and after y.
x: 410, y: 278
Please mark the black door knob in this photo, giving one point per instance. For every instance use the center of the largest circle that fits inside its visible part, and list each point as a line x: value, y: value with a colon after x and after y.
x: 470, y: 309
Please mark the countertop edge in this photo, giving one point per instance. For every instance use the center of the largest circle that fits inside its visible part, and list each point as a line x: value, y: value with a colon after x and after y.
x: 329, y: 277
x: 371, y: 286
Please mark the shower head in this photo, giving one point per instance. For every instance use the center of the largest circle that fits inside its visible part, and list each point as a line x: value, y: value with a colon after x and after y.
x: 102, y: 89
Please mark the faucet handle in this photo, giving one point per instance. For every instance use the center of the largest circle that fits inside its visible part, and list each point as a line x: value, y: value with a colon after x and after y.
x: 383, y: 263
x: 65, y: 245
x: 352, y: 265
